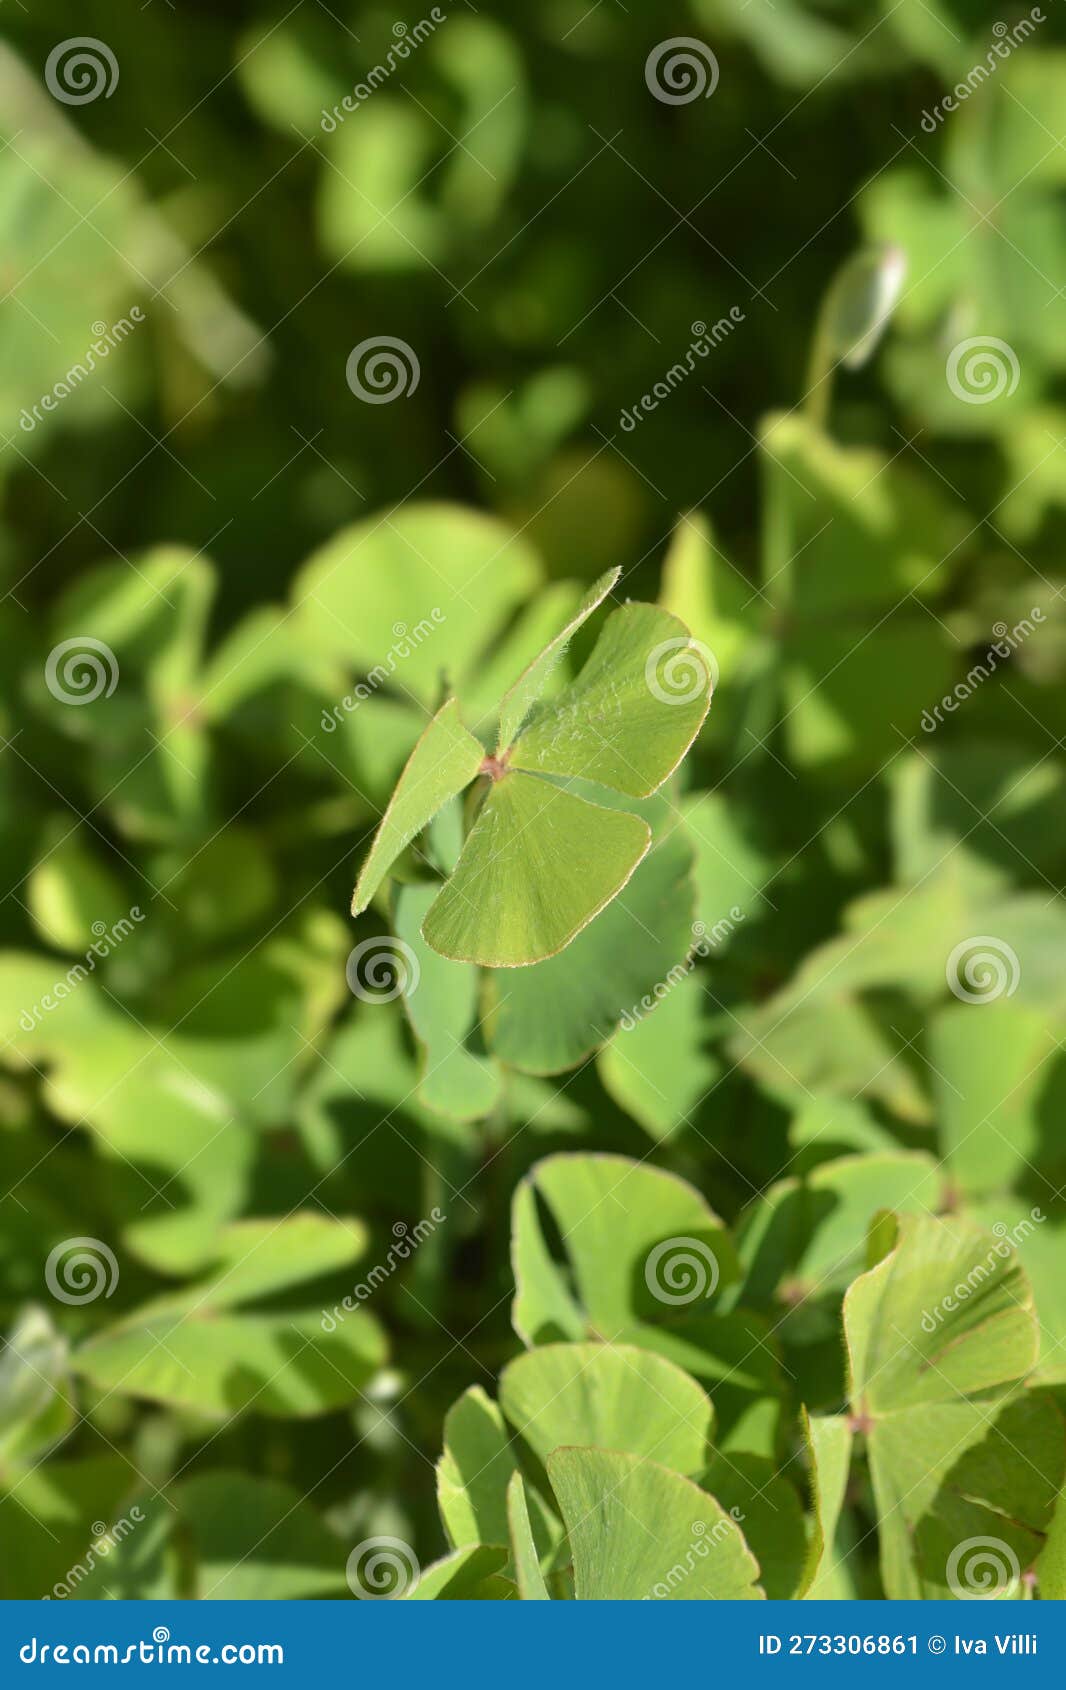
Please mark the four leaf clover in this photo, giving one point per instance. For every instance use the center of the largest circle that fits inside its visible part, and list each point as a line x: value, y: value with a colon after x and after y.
x: 542, y: 858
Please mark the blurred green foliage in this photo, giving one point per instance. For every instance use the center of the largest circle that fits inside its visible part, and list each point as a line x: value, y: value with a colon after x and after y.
x: 279, y: 577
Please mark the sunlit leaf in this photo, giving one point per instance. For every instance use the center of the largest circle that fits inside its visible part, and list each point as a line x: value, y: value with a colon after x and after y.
x: 940, y: 1335
x: 546, y: 1018
x: 828, y: 1439
x: 402, y: 601
x: 256, y: 1539
x: 440, y: 997
x: 684, y: 1548
x: 527, y: 689
x: 529, y: 1578
x: 656, y: 1066
x: 444, y: 761
x: 466, y: 1575
x: 474, y: 1471
x: 613, y: 1396
x: 201, y: 1349
x: 632, y: 713
x: 538, y: 864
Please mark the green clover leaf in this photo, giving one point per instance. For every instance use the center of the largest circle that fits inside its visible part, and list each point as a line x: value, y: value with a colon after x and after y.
x: 541, y: 860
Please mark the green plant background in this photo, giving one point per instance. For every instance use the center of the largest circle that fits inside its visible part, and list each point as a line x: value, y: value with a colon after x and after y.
x: 211, y: 1101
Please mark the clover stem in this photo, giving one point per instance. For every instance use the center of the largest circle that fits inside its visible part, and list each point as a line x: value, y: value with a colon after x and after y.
x: 495, y: 767
x: 820, y: 370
